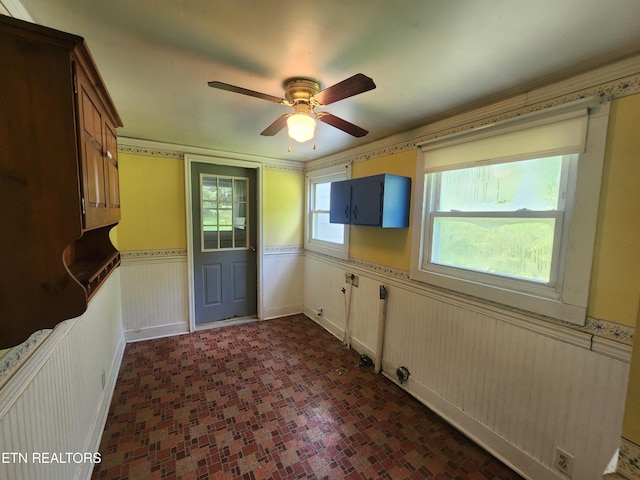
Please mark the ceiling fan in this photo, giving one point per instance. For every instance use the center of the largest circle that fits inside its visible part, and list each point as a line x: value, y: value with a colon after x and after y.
x: 304, y: 95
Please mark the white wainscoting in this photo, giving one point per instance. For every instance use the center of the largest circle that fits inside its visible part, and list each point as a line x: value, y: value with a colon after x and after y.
x: 282, y: 277
x: 56, y: 402
x: 154, y: 294
x: 519, y: 386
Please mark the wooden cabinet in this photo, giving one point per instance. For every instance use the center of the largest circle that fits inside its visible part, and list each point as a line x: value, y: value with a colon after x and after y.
x: 58, y: 179
x: 98, y: 158
x: 379, y: 200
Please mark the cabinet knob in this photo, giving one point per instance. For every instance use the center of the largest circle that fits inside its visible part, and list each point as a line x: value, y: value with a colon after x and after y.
x: 109, y: 155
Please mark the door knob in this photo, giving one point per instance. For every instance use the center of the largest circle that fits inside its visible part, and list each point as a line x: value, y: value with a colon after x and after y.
x: 252, y: 248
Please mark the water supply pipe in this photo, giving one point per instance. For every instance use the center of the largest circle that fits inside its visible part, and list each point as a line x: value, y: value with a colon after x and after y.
x: 382, y: 312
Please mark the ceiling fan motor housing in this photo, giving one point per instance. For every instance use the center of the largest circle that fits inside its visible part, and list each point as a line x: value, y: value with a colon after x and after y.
x: 300, y: 90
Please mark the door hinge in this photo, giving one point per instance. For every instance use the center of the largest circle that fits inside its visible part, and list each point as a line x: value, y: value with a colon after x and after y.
x: 82, y: 203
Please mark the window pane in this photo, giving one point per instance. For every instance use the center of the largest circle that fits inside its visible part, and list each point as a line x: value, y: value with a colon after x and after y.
x: 209, y: 216
x: 325, y: 231
x: 516, y: 247
x: 209, y: 188
x: 240, y: 190
x: 531, y: 184
x: 322, y: 196
x: 240, y: 237
x: 210, y: 239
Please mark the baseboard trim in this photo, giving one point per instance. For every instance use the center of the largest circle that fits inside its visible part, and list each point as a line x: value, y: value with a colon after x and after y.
x: 283, y: 311
x: 159, y: 331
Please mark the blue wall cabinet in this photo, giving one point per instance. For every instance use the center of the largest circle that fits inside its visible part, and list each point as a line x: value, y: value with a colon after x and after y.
x: 377, y: 201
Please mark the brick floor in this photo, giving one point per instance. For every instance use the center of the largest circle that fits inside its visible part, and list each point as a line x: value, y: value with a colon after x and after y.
x: 279, y: 399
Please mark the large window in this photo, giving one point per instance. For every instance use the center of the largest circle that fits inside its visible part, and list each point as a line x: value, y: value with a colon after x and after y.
x: 508, y: 213
x: 501, y: 220
x: 320, y: 235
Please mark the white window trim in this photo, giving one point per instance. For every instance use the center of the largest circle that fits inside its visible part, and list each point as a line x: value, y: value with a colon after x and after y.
x: 331, y: 174
x: 570, y: 302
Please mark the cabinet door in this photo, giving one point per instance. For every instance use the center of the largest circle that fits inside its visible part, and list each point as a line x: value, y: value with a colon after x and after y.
x: 111, y: 171
x: 366, y: 200
x: 91, y: 159
x: 340, y: 202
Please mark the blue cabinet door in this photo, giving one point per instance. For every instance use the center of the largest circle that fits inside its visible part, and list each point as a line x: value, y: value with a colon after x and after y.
x: 340, y: 202
x: 366, y: 201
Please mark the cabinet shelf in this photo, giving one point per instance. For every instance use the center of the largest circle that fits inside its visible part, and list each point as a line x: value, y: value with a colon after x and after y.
x: 91, y: 273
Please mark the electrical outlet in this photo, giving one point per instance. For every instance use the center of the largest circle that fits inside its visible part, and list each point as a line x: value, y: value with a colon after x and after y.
x: 564, y: 462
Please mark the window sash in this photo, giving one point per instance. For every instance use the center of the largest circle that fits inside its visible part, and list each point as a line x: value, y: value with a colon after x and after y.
x: 312, y: 212
x: 500, y: 279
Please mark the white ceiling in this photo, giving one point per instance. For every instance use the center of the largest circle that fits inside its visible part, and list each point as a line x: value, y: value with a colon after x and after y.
x: 428, y: 58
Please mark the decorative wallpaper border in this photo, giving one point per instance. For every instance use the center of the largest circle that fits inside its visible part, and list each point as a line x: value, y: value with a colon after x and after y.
x: 149, y: 152
x: 15, y: 357
x: 284, y: 249
x: 152, y: 254
x: 613, y: 331
x: 629, y: 460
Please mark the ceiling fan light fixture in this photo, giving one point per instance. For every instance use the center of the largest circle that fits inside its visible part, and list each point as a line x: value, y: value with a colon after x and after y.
x: 302, y: 127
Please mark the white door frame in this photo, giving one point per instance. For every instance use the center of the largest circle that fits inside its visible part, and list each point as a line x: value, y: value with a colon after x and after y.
x: 227, y: 162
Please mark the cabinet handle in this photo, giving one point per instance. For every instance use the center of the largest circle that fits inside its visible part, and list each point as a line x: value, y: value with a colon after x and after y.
x: 109, y: 155
x: 346, y: 211
x: 355, y: 211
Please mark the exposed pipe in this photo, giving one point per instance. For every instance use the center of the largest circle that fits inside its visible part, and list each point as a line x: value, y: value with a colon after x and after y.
x: 382, y: 312
x: 347, y: 333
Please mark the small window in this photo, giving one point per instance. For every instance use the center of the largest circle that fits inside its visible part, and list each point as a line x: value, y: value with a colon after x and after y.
x: 321, y: 229
x: 320, y: 235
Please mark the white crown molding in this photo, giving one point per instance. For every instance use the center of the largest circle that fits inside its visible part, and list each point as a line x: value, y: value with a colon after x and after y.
x: 149, y: 148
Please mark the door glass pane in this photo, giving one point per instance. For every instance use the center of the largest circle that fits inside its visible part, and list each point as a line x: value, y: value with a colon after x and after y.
x: 240, y: 190
x: 224, y: 212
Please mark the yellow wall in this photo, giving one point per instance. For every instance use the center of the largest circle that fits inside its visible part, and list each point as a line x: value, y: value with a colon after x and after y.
x: 615, y: 285
x: 283, y: 208
x: 631, y: 425
x: 388, y: 246
x: 153, y: 208
x: 153, y: 205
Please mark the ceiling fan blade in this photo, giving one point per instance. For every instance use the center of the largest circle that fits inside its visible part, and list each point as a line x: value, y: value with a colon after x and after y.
x: 244, y: 91
x: 359, y: 83
x: 341, y: 124
x: 276, y: 126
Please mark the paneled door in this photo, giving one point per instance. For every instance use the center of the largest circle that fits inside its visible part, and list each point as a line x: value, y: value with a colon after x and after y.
x: 223, y: 202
